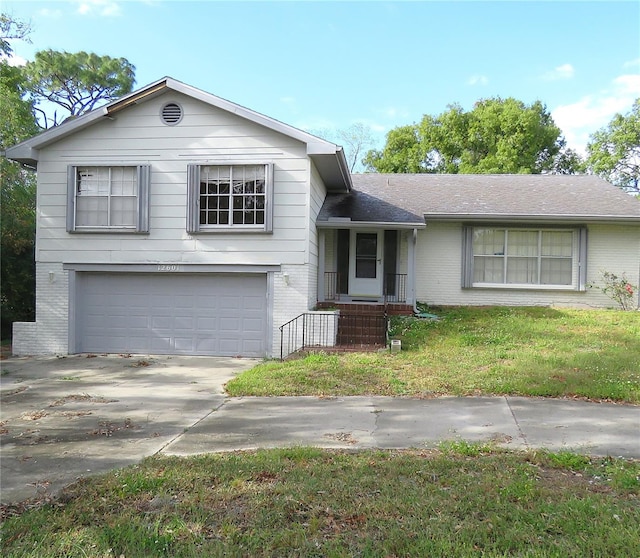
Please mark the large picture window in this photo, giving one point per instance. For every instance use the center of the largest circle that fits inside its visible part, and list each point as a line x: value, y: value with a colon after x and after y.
x: 524, y: 257
x: 108, y: 198
x: 236, y: 197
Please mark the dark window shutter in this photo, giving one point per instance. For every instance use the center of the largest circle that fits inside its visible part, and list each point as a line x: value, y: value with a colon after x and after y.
x: 193, y: 198
x: 582, y: 259
x: 71, y: 198
x: 467, y: 257
x: 144, y: 182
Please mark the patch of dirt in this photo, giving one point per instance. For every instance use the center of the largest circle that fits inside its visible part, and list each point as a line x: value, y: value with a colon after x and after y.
x: 72, y: 414
x: 342, y: 437
x: 81, y: 397
x: 106, y: 428
x: 141, y: 364
x: 34, y: 415
x: 14, y: 391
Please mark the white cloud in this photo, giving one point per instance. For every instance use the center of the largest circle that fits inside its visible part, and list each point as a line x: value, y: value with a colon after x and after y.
x: 316, y: 125
x: 565, y: 71
x: 49, y: 13
x: 373, y: 125
x: 106, y: 8
x: 478, y: 80
x: 392, y: 113
x: 15, y: 61
x: 584, y: 117
x: 632, y: 64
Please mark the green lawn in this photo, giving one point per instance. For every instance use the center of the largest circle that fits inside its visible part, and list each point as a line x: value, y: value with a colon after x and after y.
x: 593, y: 354
x: 461, y: 500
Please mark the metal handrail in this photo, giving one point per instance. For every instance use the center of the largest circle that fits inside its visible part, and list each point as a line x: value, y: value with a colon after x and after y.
x: 326, y: 330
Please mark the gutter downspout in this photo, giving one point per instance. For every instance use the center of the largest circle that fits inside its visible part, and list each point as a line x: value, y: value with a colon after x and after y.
x: 411, y: 268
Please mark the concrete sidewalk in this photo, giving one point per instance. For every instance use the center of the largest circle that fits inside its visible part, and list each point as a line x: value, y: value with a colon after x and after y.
x: 390, y: 422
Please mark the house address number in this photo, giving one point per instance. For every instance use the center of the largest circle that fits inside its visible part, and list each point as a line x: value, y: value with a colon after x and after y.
x: 168, y: 267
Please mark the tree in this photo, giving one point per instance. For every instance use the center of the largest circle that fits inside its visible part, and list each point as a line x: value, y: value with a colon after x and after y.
x: 76, y: 82
x: 567, y: 161
x: 614, y: 151
x: 354, y: 139
x: 12, y: 29
x: 497, y: 136
x: 17, y: 205
x: 401, y: 154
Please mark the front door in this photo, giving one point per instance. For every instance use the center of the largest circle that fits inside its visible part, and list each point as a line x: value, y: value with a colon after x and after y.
x: 365, y: 263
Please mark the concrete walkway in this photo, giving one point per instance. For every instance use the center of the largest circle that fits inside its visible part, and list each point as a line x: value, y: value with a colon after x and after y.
x: 390, y: 423
x: 62, y: 419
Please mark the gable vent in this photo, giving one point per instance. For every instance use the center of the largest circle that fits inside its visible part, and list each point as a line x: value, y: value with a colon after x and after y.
x: 171, y: 114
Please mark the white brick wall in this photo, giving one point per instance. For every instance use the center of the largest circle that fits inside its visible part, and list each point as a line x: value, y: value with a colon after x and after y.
x: 439, y: 262
x: 292, y: 299
x: 48, y: 334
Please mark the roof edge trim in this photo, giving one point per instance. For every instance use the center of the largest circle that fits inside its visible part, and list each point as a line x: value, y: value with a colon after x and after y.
x: 531, y: 217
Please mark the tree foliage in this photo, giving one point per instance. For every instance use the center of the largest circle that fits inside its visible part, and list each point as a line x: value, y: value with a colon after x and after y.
x: 497, y: 136
x: 614, y: 151
x: 17, y: 205
x: 11, y: 29
x: 76, y: 82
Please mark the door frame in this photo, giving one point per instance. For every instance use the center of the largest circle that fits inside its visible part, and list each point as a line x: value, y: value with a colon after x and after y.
x: 366, y: 287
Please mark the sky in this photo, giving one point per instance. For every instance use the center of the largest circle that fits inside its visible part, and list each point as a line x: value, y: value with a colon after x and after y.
x: 324, y: 66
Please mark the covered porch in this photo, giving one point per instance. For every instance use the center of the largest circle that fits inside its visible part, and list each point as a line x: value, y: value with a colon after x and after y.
x: 367, y: 266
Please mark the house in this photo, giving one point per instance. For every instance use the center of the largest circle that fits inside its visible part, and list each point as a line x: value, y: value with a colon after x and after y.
x: 174, y: 221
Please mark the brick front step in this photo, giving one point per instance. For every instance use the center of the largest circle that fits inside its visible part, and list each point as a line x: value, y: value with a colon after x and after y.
x: 361, y: 329
x: 395, y: 309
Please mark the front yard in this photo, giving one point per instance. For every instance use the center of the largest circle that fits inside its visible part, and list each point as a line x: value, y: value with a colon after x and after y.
x: 591, y: 354
x: 463, y: 500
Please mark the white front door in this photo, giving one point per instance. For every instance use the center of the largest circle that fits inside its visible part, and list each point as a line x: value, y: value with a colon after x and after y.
x: 365, y: 263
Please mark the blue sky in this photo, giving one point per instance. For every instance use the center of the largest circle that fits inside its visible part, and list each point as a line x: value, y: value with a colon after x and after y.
x: 326, y: 65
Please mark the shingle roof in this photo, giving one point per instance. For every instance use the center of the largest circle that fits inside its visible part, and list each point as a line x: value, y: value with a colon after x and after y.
x: 411, y: 198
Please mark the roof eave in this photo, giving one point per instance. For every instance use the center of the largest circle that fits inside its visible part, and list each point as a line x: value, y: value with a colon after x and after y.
x: 348, y: 224
x: 23, y: 154
x: 332, y: 166
x: 528, y: 218
x: 27, y: 152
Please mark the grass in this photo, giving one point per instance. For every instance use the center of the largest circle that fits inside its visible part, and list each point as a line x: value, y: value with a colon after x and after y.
x: 461, y: 500
x: 591, y: 354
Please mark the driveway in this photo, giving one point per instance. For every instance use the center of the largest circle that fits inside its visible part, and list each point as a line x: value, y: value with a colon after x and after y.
x: 68, y: 417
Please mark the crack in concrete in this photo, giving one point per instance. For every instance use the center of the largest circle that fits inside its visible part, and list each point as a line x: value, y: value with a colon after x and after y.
x: 376, y: 412
x: 196, y: 423
x: 515, y: 419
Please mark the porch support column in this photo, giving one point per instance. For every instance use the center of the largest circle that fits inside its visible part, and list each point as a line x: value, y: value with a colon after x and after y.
x: 321, y: 264
x: 411, y: 267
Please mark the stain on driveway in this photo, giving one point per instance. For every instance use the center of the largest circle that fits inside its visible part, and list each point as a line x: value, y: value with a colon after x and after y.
x: 63, y: 418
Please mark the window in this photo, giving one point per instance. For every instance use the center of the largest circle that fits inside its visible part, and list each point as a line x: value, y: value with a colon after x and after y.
x: 524, y: 257
x: 108, y: 198
x: 230, y: 197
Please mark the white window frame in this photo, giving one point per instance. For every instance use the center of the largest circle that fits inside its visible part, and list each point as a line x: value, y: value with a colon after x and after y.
x: 143, y: 177
x: 578, y: 258
x: 194, y: 200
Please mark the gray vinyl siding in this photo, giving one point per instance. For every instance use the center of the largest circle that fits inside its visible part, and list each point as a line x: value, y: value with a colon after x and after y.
x: 205, y: 135
x: 317, y: 194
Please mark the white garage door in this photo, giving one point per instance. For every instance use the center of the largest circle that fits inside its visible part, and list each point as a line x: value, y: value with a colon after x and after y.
x: 197, y: 314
